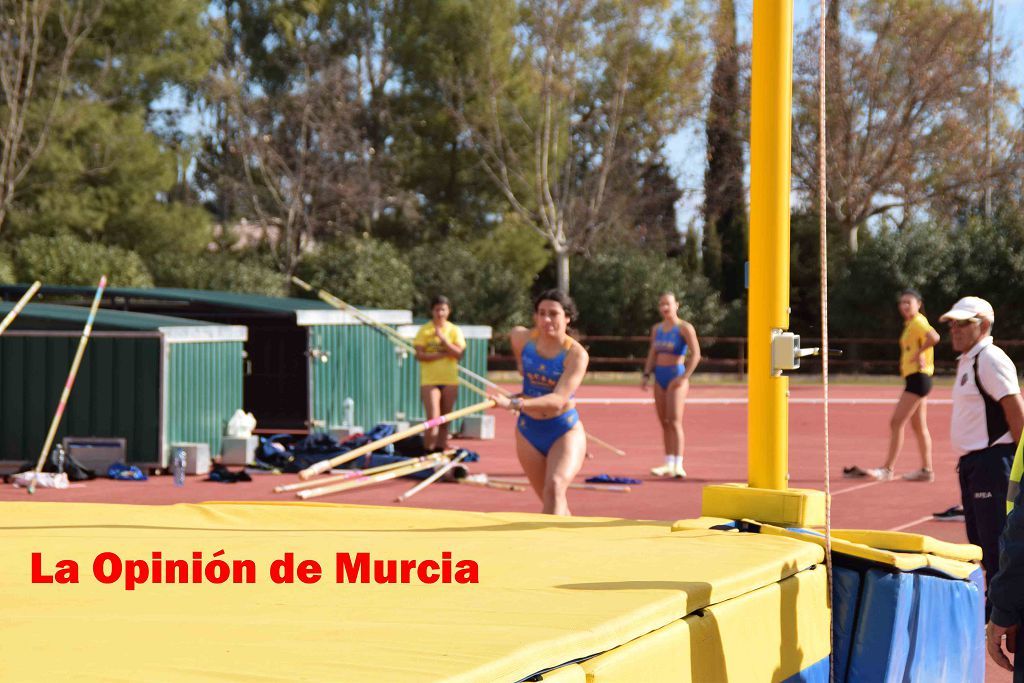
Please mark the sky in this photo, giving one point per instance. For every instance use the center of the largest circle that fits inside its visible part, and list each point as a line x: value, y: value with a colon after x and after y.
x: 686, y: 151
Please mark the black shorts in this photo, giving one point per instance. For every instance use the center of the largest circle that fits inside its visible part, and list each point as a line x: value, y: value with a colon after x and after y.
x: 919, y: 384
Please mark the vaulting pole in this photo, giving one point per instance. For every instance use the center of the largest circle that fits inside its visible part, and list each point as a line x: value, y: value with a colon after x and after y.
x: 69, y: 383
x: 9, y: 318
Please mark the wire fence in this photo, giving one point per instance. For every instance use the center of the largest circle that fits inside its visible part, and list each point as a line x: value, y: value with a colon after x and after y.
x: 859, y: 356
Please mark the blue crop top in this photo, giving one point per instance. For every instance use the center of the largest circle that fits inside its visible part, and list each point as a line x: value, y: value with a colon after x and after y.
x: 669, y: 342
x: 540, y: 374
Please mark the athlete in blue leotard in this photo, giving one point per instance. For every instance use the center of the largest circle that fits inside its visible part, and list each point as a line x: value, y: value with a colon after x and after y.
x: 550, y: 440
x: 674, y: 355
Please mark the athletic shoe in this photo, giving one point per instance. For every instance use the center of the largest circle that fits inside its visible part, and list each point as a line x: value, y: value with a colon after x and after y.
x: 680, y: 473
x: 665, y: 470
x: 920, y: 475
x: 879, y: 473
x: 953, y: 514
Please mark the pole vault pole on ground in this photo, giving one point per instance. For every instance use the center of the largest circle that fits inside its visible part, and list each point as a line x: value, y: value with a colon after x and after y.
x: 432, y: 478
x: 398, y: 339
x: 82, y: 342
x: 325, y: 465
x: 356, y: 473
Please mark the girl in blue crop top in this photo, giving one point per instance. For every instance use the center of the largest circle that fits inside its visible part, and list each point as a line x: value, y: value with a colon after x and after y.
x: 673, y: 356
x: 550, y: 440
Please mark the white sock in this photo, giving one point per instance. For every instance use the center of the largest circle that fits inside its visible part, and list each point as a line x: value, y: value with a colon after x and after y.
x: 679, y: 460
x: 670, y: 461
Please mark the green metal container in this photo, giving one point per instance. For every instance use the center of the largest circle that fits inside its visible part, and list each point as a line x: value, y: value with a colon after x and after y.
x: 478, y: 340
x: 351, y: 360
x: 152, y: 380
x: 303, y: 357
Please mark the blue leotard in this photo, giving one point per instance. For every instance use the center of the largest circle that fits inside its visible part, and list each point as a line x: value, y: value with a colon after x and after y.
x: 540, y: 376
x: 669, y: 342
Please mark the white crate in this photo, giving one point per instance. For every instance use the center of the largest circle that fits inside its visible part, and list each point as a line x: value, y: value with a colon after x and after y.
x: 197, y: 457
x: 477, y: 427
x: 236, y: 450
x: 96, y: 452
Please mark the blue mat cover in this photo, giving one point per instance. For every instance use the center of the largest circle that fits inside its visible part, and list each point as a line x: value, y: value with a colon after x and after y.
x: 909, y: 627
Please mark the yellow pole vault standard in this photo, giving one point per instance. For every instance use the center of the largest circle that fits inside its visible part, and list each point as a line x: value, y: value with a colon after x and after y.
x: 768, y: 309
x: 766, y: 496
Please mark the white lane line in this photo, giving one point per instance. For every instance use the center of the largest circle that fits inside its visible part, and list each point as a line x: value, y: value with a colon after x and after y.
x: 743, y: 401
x: 857, y: 487
x: 922, y: 520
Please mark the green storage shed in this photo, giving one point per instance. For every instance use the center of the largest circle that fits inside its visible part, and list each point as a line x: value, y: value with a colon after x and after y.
x: 153, y: 380
x: 303, y: 357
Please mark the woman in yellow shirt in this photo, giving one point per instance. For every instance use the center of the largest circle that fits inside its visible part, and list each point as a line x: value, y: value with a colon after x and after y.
x: 917, y: 365
x: 439, y: 346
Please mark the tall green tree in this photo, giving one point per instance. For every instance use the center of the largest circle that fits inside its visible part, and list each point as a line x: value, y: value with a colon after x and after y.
x: 99, y: 170
x: 434, y: 41
x: 725, y: 201
x: 302, y: 134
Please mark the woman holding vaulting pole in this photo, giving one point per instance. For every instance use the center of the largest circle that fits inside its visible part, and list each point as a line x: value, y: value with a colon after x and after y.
x: 550, y: 440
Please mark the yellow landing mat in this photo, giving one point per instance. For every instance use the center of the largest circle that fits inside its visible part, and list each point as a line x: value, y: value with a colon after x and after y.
x: 770, y: 634
x: 550, y: 591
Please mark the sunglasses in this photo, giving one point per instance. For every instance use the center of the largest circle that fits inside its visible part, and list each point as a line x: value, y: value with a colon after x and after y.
x: 964, y: 323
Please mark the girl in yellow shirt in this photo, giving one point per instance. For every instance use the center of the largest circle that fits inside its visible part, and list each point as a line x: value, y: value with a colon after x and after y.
x: 917, y: 365
x: 439, y: 345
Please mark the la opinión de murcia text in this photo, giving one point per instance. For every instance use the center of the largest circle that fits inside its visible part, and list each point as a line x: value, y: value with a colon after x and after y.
x: 109, y: 568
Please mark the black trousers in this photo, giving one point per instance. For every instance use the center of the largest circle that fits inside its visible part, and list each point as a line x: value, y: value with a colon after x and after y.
x: 1018, y: 664
x: 984, y: 478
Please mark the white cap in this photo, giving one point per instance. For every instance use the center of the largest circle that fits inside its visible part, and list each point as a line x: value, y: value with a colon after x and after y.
x: 969, y: 307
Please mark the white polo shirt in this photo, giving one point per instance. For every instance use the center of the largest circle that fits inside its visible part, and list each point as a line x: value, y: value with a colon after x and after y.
x: 970, y: 426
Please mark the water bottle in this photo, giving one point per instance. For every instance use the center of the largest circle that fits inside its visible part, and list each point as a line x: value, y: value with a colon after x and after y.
x: 178, y: 460
x: 58, y: 456
x: 348, y: 412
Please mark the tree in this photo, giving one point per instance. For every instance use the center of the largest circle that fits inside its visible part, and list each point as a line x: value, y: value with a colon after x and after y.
x: 66, y: 260
x: 88, y: 166
x: 575, y: 95
x: 433, y: 41
x: 232, y: 272
x: 301, y: 131
x: 38, y: 43
x: 907, y: 79
x: 654, y: 210
x: 617, y: 293
x: 101, y: 177
x: 362, y: 271
x: 488, y: 279
x: 725, y: 201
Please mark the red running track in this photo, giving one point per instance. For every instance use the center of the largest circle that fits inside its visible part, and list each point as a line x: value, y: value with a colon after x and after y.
x: 715, y: 425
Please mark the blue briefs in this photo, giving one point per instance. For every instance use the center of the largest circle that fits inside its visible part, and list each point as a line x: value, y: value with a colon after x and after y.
x: 664, y: 374
x: 542, y: 434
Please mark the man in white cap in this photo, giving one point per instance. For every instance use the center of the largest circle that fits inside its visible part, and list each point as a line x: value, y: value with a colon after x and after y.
x: 988, y: 416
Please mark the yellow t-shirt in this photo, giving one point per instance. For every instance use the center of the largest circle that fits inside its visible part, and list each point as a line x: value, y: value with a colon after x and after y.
x: 444, y: 370
x: 915, y: 331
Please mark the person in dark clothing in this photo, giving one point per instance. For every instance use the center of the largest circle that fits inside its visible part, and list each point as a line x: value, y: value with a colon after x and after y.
x: 1006, y: 593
